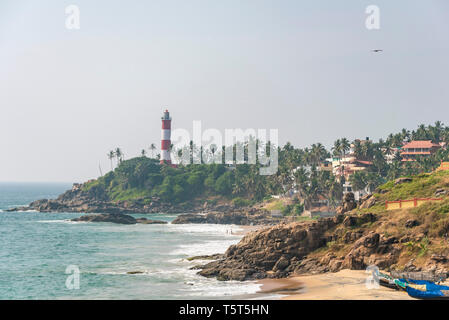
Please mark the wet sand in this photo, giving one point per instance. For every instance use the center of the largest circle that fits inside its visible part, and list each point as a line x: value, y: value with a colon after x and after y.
x: 343, y: 285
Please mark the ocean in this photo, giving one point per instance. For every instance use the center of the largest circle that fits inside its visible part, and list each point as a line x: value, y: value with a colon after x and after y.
x: 36, y: 250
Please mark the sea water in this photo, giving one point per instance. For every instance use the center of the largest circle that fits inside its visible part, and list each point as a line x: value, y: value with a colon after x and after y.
x: 36, y: 250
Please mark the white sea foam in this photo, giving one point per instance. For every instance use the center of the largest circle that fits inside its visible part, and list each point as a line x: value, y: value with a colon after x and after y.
x: 59, y: 221
x: 212, y: 229
x: 204, y: 248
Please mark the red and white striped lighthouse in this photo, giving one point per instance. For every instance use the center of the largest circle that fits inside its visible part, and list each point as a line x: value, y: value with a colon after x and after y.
x: 165, y: 135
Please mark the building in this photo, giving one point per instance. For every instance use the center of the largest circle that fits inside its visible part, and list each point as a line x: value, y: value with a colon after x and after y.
x: 345, y: 167
x: 319, y: 207
x: 166, y: 138
x: 358, y: 194
x: 444, y: 166
x: 414, y: 149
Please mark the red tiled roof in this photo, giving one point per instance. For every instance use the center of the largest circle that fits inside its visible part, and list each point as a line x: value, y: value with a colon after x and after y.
x: 364, y: 162
x: 420, y: 144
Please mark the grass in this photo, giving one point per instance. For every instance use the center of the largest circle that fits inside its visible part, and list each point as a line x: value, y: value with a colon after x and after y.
x: 275, y: 204
x: 421, y: 186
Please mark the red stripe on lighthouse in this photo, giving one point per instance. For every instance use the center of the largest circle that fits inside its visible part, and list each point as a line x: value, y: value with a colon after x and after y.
x: 166, y: 124
x: 165, y: 144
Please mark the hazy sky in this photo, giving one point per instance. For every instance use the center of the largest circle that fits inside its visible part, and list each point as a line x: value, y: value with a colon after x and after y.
x: 67, y: 97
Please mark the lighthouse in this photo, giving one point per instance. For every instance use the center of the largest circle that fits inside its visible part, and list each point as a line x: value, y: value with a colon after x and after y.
x: 165, y: 136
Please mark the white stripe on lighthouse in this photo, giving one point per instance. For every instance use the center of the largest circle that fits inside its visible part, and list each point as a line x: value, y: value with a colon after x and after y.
x: 165, y: 155
x: 165, y: 134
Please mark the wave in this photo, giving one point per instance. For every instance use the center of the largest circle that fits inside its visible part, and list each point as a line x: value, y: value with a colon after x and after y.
x: 213, y: 229
x: 60, y: 221
x: 189, y: 284
x: 204, y: 248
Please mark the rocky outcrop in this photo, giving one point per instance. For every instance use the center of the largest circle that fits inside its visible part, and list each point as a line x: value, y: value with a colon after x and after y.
x: 367, y: 201
x: 237, y: 216
x: 149, y: 221
x: 115, y: 218
x: 95, y: 200
x: 346, y: 241
x: 274, y: 251
x: 348, y: 203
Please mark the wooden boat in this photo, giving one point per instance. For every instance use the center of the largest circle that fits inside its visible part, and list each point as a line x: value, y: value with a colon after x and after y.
x: 386, y: 281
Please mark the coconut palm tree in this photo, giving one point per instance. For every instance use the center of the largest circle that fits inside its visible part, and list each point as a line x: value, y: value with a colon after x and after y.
x: 111, y: 156
x: 119, y: 155
x: 345, y: 146
x: 152, y: 148
x: 336, y: 149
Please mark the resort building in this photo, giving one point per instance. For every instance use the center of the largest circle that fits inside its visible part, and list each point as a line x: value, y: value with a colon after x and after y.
x: 414, y: 149
x: 345, y: 167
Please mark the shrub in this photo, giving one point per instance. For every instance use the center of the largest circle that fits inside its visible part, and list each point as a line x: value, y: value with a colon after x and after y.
x: 240, y: 202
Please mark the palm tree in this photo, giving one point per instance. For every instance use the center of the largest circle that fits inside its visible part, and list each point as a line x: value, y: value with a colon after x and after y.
x: 143, y: 153
x: 337, y: 148
x: 345, y: 146
x: 119, y: 155
x: 152, y: 148
x: 111, y: 156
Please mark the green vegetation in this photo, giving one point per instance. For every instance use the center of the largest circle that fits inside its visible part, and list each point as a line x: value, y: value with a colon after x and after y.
x: 422, y: 186
x: 298, y: 169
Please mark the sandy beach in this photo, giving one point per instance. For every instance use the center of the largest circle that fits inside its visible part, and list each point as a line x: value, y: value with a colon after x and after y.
x: 244, y: 229
x: 343, y: 285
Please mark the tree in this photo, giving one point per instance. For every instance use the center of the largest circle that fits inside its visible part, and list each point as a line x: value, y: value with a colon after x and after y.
x: 152, y: 148
x: 119, y: 155
x: 111, y: 156
x: 143, y: 152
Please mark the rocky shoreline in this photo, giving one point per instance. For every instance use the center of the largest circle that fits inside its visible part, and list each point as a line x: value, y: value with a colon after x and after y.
x: 315, y: 247
x: 95, y: 201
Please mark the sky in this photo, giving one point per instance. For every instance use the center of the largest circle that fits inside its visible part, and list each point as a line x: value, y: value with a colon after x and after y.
x: 68, y: 97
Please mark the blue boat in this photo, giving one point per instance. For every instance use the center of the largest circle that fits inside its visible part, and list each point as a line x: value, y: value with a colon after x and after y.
x: 422, y: 289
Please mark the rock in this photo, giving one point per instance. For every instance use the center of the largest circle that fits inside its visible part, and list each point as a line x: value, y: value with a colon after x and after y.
x: 441, y: 192
x: 280, y: 248
x: 114, y: 218
x: 189, y: 218
x: 367, y: 202
x: 281, y: 264
x: 358, y: 220
x: 237, y: 217
x: 348, y: 203
x: 439, y: 258
x: 402, y: 180
x: 409, y: 267
x: 411, y: 223
x: 148, y: 221
x: 207, y: 257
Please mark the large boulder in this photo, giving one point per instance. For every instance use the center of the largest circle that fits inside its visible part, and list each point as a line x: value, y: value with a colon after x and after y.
x: 348, y: 203
x: 149, y: 221
x: 367, y: 201
x: 110, y: 217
